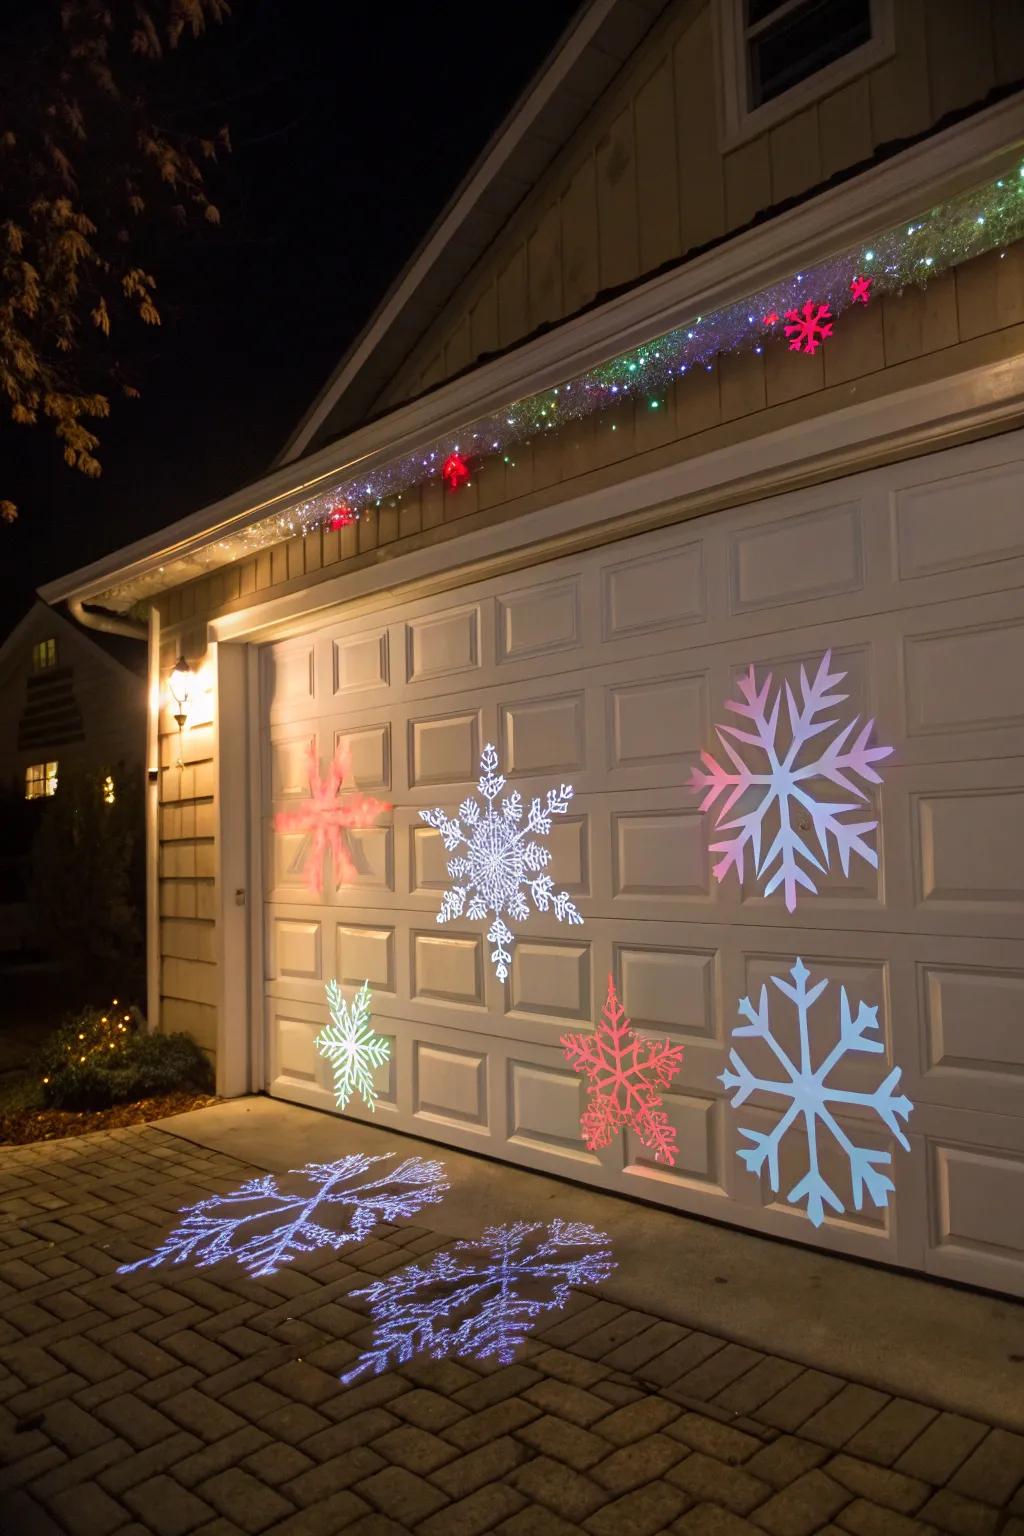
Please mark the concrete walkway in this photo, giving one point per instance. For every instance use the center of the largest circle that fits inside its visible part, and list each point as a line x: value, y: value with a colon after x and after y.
x: 718, y: 1384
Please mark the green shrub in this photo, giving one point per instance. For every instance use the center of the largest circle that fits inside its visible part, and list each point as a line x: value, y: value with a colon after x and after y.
x: 100, y: 1057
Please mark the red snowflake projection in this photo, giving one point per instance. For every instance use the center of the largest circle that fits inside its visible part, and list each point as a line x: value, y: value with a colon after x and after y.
x: 808, y: 326
x: 341, y: 517
x: 623, y: 1075
x: 772, y: 317
x: 454, y: 471
x: 324, y: 818
x: 860, y: 290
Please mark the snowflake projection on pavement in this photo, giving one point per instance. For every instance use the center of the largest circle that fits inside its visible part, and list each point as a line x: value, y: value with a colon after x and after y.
x: 808, y: 326
x: 810, y: 1096
x: 479, y: 1298
x: 262, y: 1227
x: 623, y: 1075
x: 324, y: 817
x: 786, y: 784
x: 353, y: 1049
x: 501, y: 859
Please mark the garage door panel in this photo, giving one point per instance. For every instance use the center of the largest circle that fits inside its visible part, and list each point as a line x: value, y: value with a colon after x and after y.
x: 445, y: 645
x: 550, y: 979
x: 671, y: 990
x: 544, y: 1107
x: 541, y: 620
x: 655, y: 723
x: 813, y: 555
x: 656, y: 591
x: 449, y: 1086
x: 975, y: 1172
x: 444, y: 749
x: 369, y: 751
x: 932, y: 536
x: 360, y: 665
x: 543, y: 735
x: 699, y: 1121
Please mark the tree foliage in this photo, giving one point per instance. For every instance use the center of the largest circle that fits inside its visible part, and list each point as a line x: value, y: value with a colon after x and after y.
x: 88, y: 170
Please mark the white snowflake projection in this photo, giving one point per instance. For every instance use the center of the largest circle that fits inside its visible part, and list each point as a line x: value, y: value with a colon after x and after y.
x: 624, y: 1073
x: 501, y: 860
x: 479, y: 1298
x: 352, y: 1047
x: 789, y: 784
x: 262, y: 1227
x: 810, y: 1097
x: 808, y: 326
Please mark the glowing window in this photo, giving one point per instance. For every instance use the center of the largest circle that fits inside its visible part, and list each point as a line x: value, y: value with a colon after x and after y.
x: 40, y: 780
x: 44, y: 655
x: 108, y: 789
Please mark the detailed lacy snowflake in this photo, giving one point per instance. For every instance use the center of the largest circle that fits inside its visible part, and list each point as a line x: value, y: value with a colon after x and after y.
x: 351, y: 1046
x: 810, y: 1095
x: 623, y: 1075
x: 860, y: 290
x: 501, y: 859
x: 324, y: 817
x: 785, y: 784
x: 263, y: 1227
x: 808, y: 326
x: 480, y: 1298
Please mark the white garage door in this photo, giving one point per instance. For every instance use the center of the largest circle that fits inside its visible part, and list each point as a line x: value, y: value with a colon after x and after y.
x: 608, y: 670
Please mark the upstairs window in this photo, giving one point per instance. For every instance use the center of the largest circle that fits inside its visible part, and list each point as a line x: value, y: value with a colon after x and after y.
x: 778, y: 56
x: 40, y: 779
x: 44, y: 655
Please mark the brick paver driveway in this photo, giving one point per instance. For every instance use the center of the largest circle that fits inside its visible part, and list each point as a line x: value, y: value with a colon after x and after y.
x: 181, y: 1402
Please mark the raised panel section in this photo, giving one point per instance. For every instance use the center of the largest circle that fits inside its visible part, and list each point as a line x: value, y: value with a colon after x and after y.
x: 449, y: 1084
x: 439, y: 647
x: 654, y: 592
x: 669, y: 991
x: 444, y: 750
x: 544, y: 1107
x: 371, y: 850
x: 297, y: 949
x: 448, y: 968
x: 697, y: 1122
x: 543, y: 735
x: 568, y: 842
x: 978, y: 1201
x: 962, y: 521
x: 289, y: 767
x: 296, y: 1053
x: 290, y: 676
x: 363, y: 954
x: 656, y: 722
x: 833, y: 1164
x: 818, y: 554
x: 538, y: 620
x: 370, y: 758
x: 660, y: 854
x: 865, y: 981
x: 975, y: 1020
x: 360, y: 662
x: 972, y: 847
x: 965, y: 678
x: 550, y: 978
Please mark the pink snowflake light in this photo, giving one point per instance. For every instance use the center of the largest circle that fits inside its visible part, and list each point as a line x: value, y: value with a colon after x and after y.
x: 808, y: 326
x: 772, y: 317
x: 324, y: 817
x: 623, y: 1075
x: 860, y: 290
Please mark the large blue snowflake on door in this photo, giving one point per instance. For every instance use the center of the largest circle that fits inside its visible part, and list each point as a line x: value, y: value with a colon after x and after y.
x: 810, y: 1097
x: 480, y: 1298
x: 792, y: 784
x: 501, y: 860
x: 262, y: 1227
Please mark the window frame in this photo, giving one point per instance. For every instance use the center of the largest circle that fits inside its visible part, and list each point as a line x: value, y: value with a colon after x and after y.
x: 41, y: 780
x: 739, y: 121
x: 44, y: 654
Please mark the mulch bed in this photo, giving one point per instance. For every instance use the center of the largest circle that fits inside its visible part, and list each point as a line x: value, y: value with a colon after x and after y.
x: 25, y: 1125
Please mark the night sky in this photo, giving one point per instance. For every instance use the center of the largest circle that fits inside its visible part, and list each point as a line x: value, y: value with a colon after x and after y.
x: 351, y: 125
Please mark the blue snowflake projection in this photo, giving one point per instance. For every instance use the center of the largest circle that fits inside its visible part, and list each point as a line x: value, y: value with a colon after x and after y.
x: 501, y: 859
x: 479, y: 1298
x: 353, y: 1049
x: 810, y: 1096
x: 786, y: 787
x: 262, y: 1227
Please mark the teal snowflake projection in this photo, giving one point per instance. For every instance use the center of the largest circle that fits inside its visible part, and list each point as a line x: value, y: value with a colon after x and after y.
x: 810, y: 1095
x: 262, y: 1227
x: 501, y: 860
x: 353, y: 1049
x: 480, y: 1298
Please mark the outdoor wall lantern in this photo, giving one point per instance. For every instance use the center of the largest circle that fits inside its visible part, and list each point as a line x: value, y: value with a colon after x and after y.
x: 179, y: 686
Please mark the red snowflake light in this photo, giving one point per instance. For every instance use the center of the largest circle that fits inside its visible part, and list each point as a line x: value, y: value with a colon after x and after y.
x: 860, y: 289
x: 454, y: 471
x: 808, y: 326
x: 623, y: 1075
x: 324, y: 817
x: 341, y: 517
x: 772, y: 317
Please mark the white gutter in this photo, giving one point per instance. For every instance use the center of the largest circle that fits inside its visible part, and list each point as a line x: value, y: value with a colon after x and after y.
x: 984, y: 146
x: 109, y: 623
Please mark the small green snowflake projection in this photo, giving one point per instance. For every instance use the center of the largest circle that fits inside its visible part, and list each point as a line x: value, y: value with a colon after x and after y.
x: 351, y: 1046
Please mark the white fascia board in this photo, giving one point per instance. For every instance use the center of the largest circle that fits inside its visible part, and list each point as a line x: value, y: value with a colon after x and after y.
x: 971, y: 152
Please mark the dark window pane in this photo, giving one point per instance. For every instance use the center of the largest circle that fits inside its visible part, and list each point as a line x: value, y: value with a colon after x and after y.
x: 757, y: 10
x: 803, y: 43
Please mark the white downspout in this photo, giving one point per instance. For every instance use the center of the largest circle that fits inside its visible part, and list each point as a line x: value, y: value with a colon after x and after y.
x: 152, y: 824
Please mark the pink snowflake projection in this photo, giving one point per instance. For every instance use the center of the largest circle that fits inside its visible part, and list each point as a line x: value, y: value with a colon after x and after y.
x: 785, y: 785
x: 325, y: 818
x: 860, y: 290
x: 623, y: 1075
x: 808, y: 326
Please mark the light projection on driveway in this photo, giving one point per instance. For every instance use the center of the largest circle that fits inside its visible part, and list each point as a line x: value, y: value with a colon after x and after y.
x: 810, y: 1097
x: 480, y: 1298
x: 261, y: 1227
x: 352, y: 1046
x: 501, y: 862
x: 788, y: 782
